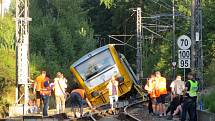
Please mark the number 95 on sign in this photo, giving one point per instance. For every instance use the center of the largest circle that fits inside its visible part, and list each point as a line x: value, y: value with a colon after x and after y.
x: 184, y: 63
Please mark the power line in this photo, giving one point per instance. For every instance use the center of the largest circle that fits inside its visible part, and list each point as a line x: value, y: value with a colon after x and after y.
x: 161, y: 4
x: 155, y: 33
x: 121, y: 41
x: 169, y: 6
x: 164, y: 22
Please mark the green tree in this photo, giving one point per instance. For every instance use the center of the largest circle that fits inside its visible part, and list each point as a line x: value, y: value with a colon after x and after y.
x: 7, y: 32
x: 60, y: 32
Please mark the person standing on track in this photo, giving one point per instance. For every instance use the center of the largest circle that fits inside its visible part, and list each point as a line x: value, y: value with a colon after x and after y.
x: 177, y: 87
x: 189, y: 105
x: 150, y: 88
x: 113, y: 92
x: 78, y: 96
x: 45, y: 94
x: 38, y: 85
x: 60, y: 92
x: 161, y: 86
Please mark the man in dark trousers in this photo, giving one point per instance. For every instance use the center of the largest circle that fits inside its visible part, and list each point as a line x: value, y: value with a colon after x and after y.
x: 191, y: 88
x: 77, y: 96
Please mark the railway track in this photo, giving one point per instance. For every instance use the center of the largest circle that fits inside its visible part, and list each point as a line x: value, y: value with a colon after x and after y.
x: 130, y: 115
x: 139, y: 112
x: 123, y: 113
x: 135, y: 110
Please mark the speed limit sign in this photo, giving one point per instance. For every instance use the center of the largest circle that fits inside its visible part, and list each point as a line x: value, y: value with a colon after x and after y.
x: 184, y: 54
x: 184, y: 63
x: 184, y: 42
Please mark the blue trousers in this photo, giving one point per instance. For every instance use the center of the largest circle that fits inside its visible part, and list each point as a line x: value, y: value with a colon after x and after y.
x: 190, y: 107
x: 45, y: 99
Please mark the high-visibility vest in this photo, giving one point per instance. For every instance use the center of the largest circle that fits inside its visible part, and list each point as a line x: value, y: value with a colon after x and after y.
x: 162, y: 86
x: 154, y: 94
x: 153, y: 91
x: 193, y: 88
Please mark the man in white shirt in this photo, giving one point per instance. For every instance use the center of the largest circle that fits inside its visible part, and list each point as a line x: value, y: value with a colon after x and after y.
x: 177, y: 87
x: 113, y: 92
x: 60, y: 92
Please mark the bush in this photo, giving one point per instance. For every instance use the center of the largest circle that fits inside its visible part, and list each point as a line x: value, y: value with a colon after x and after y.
x: 8, y: 77
x: 209, y: 102
x: 209, y: 75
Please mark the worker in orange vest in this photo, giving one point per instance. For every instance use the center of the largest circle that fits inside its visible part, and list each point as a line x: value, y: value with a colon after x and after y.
x: 161, y: 86
x: 78, y: 96
x: 38, y: 85
x: 150, y: 87
x: 153, y: 94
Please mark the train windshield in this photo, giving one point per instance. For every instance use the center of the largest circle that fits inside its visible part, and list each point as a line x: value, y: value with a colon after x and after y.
x: 94, y: 65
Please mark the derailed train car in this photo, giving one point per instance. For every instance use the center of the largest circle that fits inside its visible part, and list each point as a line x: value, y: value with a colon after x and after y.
x: 94, y: 70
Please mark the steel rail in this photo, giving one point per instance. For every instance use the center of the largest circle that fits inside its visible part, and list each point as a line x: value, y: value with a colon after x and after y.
x: 130, y: 116
x: 91, y: 116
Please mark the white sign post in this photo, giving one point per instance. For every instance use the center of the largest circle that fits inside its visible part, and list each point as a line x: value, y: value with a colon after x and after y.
x: 184, y: 43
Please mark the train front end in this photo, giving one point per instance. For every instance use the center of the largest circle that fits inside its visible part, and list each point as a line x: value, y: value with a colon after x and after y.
x: 94, y: 70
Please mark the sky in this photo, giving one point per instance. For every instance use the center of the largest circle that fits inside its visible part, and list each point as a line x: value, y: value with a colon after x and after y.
x: 6, y: 3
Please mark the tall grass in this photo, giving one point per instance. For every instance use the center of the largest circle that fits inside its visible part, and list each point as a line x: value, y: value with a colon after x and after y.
x: 209, y: 101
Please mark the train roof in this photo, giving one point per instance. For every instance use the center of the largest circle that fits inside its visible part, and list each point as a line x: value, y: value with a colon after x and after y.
x: 89, y: 55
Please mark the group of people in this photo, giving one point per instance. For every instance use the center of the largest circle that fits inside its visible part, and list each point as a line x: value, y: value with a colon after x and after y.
x: 43, y: 88
x: 156, y: 87
x: 183, y: 97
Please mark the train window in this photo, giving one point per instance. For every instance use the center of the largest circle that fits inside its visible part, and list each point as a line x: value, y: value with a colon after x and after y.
x: 95, y: 64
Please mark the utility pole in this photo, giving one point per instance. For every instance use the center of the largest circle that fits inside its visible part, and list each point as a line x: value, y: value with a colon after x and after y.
x: 174, y: 42
x: 197, y: 38
x: 139, y: 45
x: 22, y: 47
x: 193, y: 26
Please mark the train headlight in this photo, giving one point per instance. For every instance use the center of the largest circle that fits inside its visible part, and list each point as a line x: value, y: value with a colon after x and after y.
x: 120, y: 79
x: 95, y: 93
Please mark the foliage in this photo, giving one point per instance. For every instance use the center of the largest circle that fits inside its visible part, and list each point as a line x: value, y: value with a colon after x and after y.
x: 7, y: 79
x: 7, y: 28
x: 209, y: 74
x: 7, y: 76
x: 61, y: 34
x: 208, y: 101
x: 209, y: 36
x: 36, y: 63
x: 107, y: 3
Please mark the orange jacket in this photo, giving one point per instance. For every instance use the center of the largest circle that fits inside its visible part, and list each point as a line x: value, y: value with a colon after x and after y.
x: 81, y: 92
x: 39, y: 82
x: 162, y: 85
x: 151, y: 88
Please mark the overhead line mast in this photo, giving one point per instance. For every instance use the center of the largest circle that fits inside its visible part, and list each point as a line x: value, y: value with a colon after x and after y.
x: 139, y: 45
x: 174, y: 40
x: 22, y: 47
